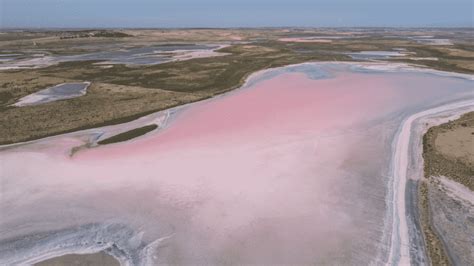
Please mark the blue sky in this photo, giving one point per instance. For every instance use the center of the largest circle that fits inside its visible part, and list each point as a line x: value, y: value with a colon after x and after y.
x: 233, y: 13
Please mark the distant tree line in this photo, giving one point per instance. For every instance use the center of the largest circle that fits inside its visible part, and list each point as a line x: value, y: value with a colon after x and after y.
x: 91, y: 34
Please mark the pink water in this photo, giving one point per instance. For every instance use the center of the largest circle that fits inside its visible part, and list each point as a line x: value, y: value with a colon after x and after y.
x: 292, y: 170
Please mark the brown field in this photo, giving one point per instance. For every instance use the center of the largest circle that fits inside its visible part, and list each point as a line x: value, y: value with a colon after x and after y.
x: 96, y: 259
x: 449, y: 150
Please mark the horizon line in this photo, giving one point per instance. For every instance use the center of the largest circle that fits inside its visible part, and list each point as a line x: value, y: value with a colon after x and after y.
x: 236, y: 27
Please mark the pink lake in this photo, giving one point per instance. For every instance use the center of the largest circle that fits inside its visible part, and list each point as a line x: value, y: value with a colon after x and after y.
x: 291, y: 169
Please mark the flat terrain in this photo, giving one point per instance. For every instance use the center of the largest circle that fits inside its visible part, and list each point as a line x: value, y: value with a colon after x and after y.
x: 446, y: 195
x: 97, y: 259
x: 457, y: 144
x: 449, y: 150
x: 228, y: 180
x: 271, y: 143
x: 121, y: 93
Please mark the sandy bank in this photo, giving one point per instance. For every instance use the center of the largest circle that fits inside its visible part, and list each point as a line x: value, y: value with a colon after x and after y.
x: 400, y: 247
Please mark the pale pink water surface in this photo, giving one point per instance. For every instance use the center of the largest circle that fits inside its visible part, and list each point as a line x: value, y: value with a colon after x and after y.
x: 288, y: 170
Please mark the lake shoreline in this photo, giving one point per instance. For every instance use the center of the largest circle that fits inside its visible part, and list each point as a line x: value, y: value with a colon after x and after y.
x: 400, y: 252
x: 370, y: 66
x: 399, y: 194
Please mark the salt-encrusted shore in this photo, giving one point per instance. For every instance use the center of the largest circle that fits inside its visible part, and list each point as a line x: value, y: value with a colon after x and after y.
x: 315, y: 114
x: 400, y: 240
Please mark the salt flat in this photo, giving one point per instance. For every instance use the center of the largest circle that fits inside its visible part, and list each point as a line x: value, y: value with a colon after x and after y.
x: 295, y: 168
x: 55, y: 93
